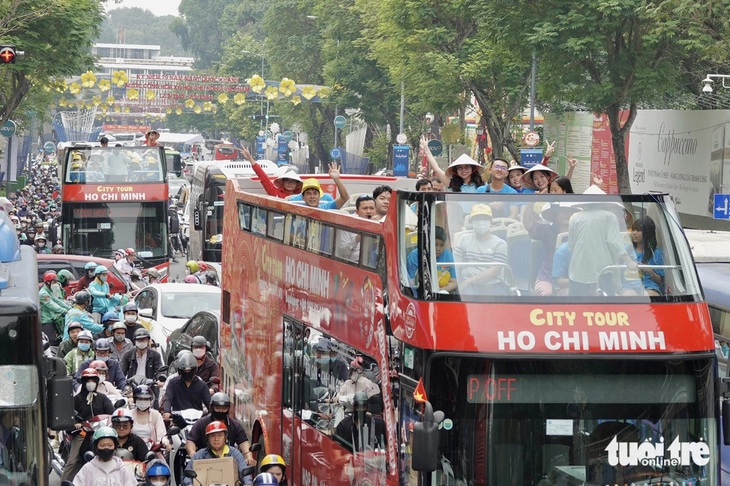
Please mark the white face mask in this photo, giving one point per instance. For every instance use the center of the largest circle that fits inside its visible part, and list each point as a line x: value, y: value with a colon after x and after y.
x: 90, y: 386
x: 158, y: 483
x: 199, y: 352
x: 130, y: 319
x: 143, y: 404
x: 141, y: 344
x: 481, y: 227
x: 102, y: 378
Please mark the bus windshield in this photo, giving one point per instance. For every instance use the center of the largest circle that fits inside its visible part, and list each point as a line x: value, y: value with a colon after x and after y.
x: 98, y: 229
x: 99, y: 165
x: 529, y: 248
x: 575, y: 421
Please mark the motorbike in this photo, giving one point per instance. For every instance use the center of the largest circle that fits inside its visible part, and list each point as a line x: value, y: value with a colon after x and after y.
x: 245, y: 479
x: 182, y: 421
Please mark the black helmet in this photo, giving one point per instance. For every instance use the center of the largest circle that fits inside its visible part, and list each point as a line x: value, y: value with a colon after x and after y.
x: 141, y: 334
x: 187, y: 362
x: 199, y: 341
x: 82, y: 297
x: 142, y: 391
x: 220, y: 399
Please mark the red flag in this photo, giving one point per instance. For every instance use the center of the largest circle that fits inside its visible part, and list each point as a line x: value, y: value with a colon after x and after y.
x: 419, y: 394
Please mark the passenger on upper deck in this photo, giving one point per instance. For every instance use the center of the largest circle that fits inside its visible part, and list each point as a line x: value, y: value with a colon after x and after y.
x: 77, y: 169
x: 287, y: 184
x: 644, y: 243
x: 117, y: 165
x: 486, y: 255
x: 151, y: 137
x: 498, y: 171
x: 382, y: 195
x: 312, y: 191
x: 349, y: 245
x: 561, y: 185
x: 446, y: 274
x: 537, y: 180
x: 463, y: 175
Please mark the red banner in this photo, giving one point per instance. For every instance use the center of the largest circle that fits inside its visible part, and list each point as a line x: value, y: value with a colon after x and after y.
x: 114, y: 192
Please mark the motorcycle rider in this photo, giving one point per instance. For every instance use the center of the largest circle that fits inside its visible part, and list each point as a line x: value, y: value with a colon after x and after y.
x: 275, y: 465
x: 105, y: 385
x: 265, y: 479
x: 80, y: 353
x: 141, y: 360
x: 102, y: 351
x: 131, y: 319
x: 53, y: 309
x: 153, y: 276
x: 78, y: 313
x: 87, y: 404
x: 125, y: 265
x: 107, y: 320
x: 207, y: 367
x: 220, y: 405
x: 216, y: 433
x: 123, y: 422
x: 105, y: 469
x: 158, y: 474
x: 103, y: 301
x: 64, y: 280
x: 186, y: 390
x: 68, y: 344
x: 87, y: 278
x: 147, y: 422
x: 120, y: 343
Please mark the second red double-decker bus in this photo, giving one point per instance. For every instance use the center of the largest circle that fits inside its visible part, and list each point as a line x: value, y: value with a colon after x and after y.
x: 116, y: 198
x: 337, y: 354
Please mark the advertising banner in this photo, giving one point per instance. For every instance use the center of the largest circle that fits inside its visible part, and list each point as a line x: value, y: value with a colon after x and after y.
x: 400, y: 160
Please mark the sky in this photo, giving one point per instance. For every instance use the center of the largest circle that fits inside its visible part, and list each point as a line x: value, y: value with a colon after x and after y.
x: 157, y: 7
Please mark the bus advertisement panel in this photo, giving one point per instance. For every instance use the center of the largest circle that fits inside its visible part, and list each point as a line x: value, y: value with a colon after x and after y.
x: 116, y: 198
x: 336, y: 357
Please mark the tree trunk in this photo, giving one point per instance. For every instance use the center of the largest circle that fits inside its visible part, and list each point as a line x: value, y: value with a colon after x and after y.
x: 618, y: 141
x: 497, y: 127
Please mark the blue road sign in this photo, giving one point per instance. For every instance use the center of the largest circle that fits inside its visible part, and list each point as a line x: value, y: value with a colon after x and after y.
x: 335, y: 153
x: 436, y: 147
x: 721, y: 209
x: 400, y: 160
x: 49, y: 147
x: 340, y: 122
x: 8, y: 129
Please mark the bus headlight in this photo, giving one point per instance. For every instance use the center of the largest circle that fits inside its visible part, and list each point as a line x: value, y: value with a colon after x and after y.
x: 215, y: 239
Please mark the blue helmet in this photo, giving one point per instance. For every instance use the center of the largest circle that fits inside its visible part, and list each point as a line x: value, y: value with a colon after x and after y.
x: 158, y: 468
x: 265, y: 479
x: 111, y: 316
x: 100, y: 269
x: 90, y: 266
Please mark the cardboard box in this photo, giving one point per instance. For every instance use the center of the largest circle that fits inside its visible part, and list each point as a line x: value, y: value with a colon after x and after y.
x: 221, y: 471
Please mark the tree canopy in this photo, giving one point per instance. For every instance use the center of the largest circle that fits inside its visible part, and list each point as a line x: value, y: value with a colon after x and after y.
x: 138, y: 26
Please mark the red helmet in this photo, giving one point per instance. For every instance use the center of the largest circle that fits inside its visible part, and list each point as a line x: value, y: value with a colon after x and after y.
x: 50, y: 276
x: 129, y: 251
x: 98, y: 364
x: 216, y: 426
x: 202, y: 266
x: 90, y: 373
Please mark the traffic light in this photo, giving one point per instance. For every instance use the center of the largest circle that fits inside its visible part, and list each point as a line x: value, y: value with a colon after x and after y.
x: 9, y: 54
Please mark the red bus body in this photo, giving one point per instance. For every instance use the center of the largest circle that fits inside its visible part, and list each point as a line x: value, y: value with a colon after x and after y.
x: 225, y: 151
x: 482, y: 359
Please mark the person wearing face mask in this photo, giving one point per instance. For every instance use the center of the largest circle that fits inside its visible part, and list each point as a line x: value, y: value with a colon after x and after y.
x: 207, y: 367
x: 103, y: 301
x: 114, y: 374
x: 486, y: 255
x: 220, y: 405
x: 123, y: 422
x: 53, y: 308
x: 105, y: 469
x: 358, y: 382
x: 119, y: 342
x: 73, y: 330
x: 141, y: 360
x: 80, y: 353
x: 87, y: 403
x: 40, y: 245
x: 87, y: 277
x: 131, y: 319
x: 186, y: 390
x: 148, y: 423
x: 107, y: 320
x: 105, y: 386
x: 78, y: 313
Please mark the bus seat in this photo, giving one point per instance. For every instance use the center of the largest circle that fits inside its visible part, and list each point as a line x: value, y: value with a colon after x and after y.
x: 562, y: 238
x: 353, y: 199
x: 500, y: 225
x: 519, y: 247
x: 508, y: 466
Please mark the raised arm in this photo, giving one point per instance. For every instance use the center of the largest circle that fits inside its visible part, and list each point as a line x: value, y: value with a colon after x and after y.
x: 549, y: 151
x: 572, y: 162
x: 341, y: 189
x: 433, y: 164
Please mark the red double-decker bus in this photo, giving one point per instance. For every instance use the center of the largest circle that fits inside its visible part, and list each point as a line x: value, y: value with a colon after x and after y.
x: 116, y: 197
x: 609, y: 379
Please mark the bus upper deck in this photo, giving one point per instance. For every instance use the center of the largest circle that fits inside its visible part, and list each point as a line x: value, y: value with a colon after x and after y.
x: 536, y: 389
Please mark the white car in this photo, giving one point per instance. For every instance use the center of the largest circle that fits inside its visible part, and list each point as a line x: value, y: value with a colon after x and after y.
x: 170, y: 305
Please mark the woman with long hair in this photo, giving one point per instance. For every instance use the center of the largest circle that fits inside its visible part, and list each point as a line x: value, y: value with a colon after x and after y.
x: 463, y: 175
x: 644, y: 241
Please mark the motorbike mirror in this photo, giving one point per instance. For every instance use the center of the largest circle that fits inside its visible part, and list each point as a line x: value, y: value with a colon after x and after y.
x: 162, y: 378
x: 255, y: 447
x: 248, y: 471
x: 149, y: 456
x: 88, y: 456
x: 124, y: 454
x: 120, y: 403
x: 172, y: 431
x: 189, y: 473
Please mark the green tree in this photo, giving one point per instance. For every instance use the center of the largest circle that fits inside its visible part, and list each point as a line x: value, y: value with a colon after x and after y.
x: 140, y: 26
x: 612, y: 55
x: 56, y: 36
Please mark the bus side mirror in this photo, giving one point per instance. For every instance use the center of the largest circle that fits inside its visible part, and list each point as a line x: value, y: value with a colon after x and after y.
x: 425, y: 454
x: 60, y: 413
x: 196, y: 220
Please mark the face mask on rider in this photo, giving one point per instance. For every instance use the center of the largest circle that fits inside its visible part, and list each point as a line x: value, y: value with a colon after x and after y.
x: 102, y: 277
x: 90, y: 386
x: 481, y: 227
x: 199, y: 352
x: 120, y: 338
x: 158, y: 483
x: 141, y: 344
x: 84, y: 347
x: 102, y: 378
x: 130, y: 319
x: 105, y: 454
x: 143, y: 404
x: 187, y: 375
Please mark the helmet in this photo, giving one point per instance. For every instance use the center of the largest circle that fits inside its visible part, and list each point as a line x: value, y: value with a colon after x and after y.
x: 199, y: 341
x: 103, y: 344
x: 130, y: 252
x: 98, y: 365
x: 216, y: 427
x: 190, y: 279
x: 121, y: 253
x: 85, y: 335
x: 158, y: 468
x: 39, y: 238
x: 272, y: 460
x: 50, y: 276
x: 141, y: 334
x: 265, y: 479
x: 105, y: 433
x: 360, y: 402
x: 64, y: 276
x: 192, y: 266
x: 220, y: 399
x: 202, y: 266
x: 142, y: 391
x: 119, y: 325
x: 75, y: 325
x: 81, y: 297
x: 100, y: 269
x: 122, y: 415
x: 153, y: 272
x: 187, y: 362
x: 90, y: 266
x: 130, y: 307
x: 58, y: 249
x: 112, y: 316
x: 89, y: 374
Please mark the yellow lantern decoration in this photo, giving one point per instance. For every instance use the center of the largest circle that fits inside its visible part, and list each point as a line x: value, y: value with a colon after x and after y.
x: 189, y: 103
x: 132, y: 94
x: 296, y: 100
x: 96, y: 100
x: 119, y: 78
x: 207, y: 106
x: 168, y: 111
x: 74, y: 88
x: 178, y: 111
x: 126, y: 109
x: 271, y: 93
x: 150, y: 95
x: 60, y: 86
x: 197, y: 109
x: 110, y: 100
x: 62, y: 103
x: 222, y: 98
x: 104, y: 85
x: 324, y: 92
x: 104, y: 107
x: 308, y: 92
x: 239, y: 99
x: 287, y: 87
x: 117, y: 108
x: 88, y: 80
x: 257, y: 83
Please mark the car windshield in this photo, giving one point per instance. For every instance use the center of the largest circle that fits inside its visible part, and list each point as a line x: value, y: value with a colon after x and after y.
x: 183, y: 305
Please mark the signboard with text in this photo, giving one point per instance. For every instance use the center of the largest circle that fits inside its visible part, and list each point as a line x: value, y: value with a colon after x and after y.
x: 114, y: 192
x: 400, y: 160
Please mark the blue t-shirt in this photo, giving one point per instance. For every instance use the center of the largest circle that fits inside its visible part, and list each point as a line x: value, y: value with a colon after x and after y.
x: 467, y: 188
x: 327, y: 204
x: 445, y: 257
x: 561, y: 261
x: 527, y: 191
x: 656, y: 259
x: 505, y: 190
x: 298, y: 197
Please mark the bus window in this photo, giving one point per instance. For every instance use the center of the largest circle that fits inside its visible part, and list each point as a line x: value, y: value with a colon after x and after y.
x: 296, y: 231
x: 258, y: 224
x: 244, y: 216
x: 319, y: 238
x: 370, y: 247
x: 347, y: 245
x: 276, y: 226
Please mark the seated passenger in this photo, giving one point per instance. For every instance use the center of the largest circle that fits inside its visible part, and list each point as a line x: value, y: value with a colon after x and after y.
x: 560, y: 274
x: 478, y: 248
x: 312, y: 191
x: 77, y: 172
x: 95, y: 170
x: 350, y: 432
x: 644, y: 242
x: 446, y: 274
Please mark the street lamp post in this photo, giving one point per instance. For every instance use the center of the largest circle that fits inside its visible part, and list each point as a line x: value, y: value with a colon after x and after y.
x: 264, y: 121
x: 707, y: 88
x: 480, y: 149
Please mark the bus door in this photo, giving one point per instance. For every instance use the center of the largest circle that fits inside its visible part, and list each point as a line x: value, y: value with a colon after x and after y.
x: 292, y: 400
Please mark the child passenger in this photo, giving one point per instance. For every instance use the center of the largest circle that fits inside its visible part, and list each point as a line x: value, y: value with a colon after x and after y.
x: 644, y: 242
